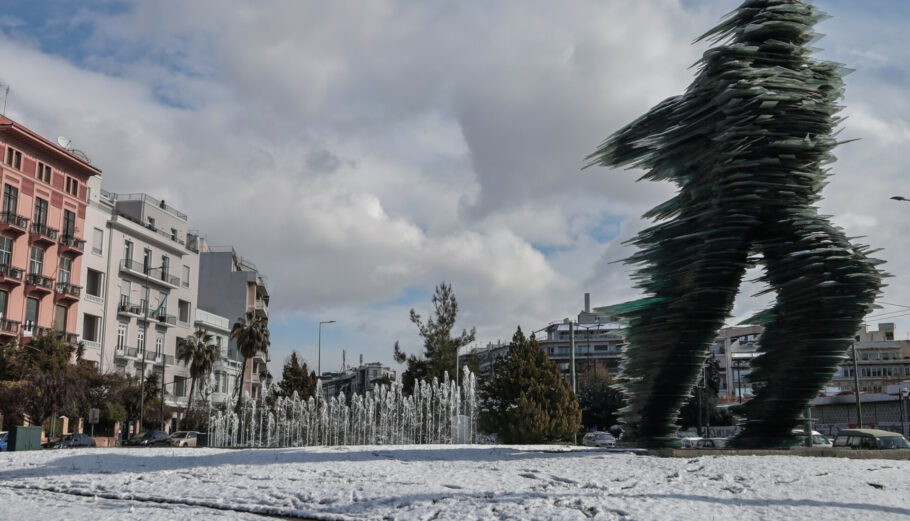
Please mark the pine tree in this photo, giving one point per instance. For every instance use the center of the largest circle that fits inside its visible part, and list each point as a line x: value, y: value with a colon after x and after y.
x: 296, y: 377
x: 440, y: 347
x: 526, y: 399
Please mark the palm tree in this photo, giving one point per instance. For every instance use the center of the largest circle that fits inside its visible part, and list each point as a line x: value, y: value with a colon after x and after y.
x: 199, y: 354
x: 251, y: 332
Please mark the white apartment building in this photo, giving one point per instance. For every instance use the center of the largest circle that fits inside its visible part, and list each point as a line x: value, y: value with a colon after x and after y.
x: 734, y: 348
x: 141, y: 273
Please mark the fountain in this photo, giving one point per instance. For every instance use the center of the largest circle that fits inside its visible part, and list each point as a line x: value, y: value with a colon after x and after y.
x: 436, y: 412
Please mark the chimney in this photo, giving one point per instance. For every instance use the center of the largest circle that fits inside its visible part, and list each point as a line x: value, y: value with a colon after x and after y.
x: 587, y: 302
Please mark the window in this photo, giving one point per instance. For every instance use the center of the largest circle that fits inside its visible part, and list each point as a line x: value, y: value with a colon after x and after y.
x: 10, y: 199
x: 140, y: 340
x: 4, y: 298
x: 40, y: 216
x: 122, y: 328
x: 60, y: 318
x: 173, y: 234
x: 159, y: 346
x: 146, y: 260
x: 43, y: 172
x: 69, y: 224
x: 165, y: 266
x: 179, y: 386
x: 183, y: 310
x: 126, y: 292
x: 31, y: 313
x: 128, y: 250
x: 6, y: 250
x: 90, y: 327
x: 151, y: 223
x: 37, y: 261
x: 186, y: 276
x: 72, y: 186
x: 13, y: 158
x: 94, y: 282
x: 66, y: 266
x: 98, y: 241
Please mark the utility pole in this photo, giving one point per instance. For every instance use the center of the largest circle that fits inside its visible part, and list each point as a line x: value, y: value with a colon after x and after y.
x: 572, y: 367
x: 859, y: 405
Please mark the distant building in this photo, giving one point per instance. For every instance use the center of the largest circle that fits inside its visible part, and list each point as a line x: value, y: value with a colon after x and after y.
x: 357, y: 380
x: 882, y: 361
x: 734, y: 348
x: 229, y: 286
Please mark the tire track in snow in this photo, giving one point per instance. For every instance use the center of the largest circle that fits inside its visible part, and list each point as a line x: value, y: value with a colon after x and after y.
x: 261, y: 511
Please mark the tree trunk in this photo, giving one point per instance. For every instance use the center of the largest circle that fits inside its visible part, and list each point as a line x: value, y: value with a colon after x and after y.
x: 239, y: 405
x: 189, y: 402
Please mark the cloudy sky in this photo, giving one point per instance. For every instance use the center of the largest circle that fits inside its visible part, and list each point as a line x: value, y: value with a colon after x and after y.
x: 362, y: 152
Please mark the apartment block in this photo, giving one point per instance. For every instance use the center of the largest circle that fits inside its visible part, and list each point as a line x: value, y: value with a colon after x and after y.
x: 226, y: 371
x: 230, y: 285
x: 141, y: 276
x: 41, y: 234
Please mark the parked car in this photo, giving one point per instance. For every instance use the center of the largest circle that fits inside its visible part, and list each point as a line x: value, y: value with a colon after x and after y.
x: 711, y: 443
x: 689, y: 442
x: 818, y: 439
x: 4, y: 435
x: 184, y: 438
x: 870, y: 439
x: 71, y: 441
x: 150, y: 439
x: 599, y: 439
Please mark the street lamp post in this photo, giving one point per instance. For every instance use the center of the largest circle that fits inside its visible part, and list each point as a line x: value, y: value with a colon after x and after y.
x: 319, y: 355
x: 859, y: 403
x: 904, y: 393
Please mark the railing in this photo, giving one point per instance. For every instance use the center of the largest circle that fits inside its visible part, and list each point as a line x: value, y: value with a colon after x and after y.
x: 14, y: 219
x: 69, y: 290
x: 128, y: 307
x: 126, y: 352
x: 139, y: 267
x: 72, y: 242
x: 9, y: 327
x: 10, y: 272
x: 97, y: 299
x: 164, y: 318
x: 44, y: 230
x: 40, y: 281
x: 71, y: 338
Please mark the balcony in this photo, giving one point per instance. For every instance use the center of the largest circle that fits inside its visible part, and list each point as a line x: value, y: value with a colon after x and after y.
x: 68, y: 292
x: 39, y: 283
x: 127, y: 353
x: 70, y: 245
x: 128, y: 308
x: 154, y: 275
x: 261, y: 307
x: 70, y: 338
x: 10, y: 274
x: 40, y: 233
x: 13, y: 223
x: 164, y: 319
x: 9, y: 327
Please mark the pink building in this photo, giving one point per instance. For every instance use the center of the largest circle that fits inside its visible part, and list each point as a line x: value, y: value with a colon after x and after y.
x: 41, y: 234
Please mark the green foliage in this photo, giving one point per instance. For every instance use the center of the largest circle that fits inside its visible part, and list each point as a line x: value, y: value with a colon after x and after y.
x: 295, y: 376
x: 526, y: 399
x: 440, y: 347
x: 599, y: 401
x: 251, y: 332
x: 199, y: 354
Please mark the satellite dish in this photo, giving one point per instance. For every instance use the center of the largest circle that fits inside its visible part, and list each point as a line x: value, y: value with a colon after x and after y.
x: 64, y: 142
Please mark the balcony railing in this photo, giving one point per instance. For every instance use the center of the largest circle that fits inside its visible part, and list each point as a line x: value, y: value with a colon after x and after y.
x: 15, y: 220
x: 9, y: 327
x: 71, y: 338
x: 164, y: 318
x: 10, y: 272
x: 73, y: 243
x: 68, y: 290
x: 126, y: 306
x: 126, y: 352
x: 40, y: 281
x: 140, y: 269
x: 43, y: 230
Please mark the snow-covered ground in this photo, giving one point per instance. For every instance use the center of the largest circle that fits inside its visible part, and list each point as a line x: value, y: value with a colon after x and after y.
x: 444, y: 482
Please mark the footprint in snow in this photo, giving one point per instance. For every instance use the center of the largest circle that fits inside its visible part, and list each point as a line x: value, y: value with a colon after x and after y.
x: 528, y: 475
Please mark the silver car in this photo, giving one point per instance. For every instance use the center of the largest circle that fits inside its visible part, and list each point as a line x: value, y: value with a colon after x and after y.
x: 599, y: 439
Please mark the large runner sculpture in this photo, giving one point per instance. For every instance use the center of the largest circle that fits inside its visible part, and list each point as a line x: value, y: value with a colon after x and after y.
x: 747, y: 144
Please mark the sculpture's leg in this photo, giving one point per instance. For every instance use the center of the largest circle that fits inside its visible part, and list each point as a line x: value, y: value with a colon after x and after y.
x: 825, y: 286
x: 693, y: 268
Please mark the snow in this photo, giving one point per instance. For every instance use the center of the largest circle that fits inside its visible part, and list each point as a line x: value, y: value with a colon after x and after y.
x: 460, y: 482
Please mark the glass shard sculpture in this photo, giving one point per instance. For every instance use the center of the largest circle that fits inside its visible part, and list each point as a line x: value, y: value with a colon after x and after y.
x: 748, y: 145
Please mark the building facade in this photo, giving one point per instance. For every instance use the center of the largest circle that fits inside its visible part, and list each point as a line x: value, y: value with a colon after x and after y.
x: 41, y: 234
x: 358, y: 380
x: 141, y: 280
x: 230, y: 285
x: 733, y: 349
x: 880, y: 359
